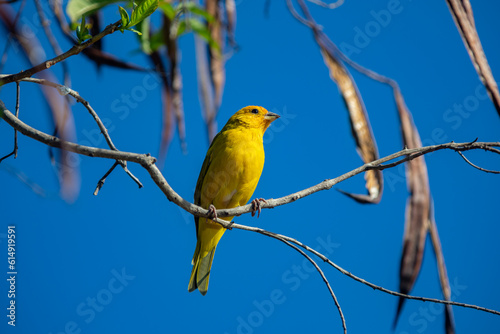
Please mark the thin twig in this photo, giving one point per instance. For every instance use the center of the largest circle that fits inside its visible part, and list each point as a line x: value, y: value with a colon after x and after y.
x: 52, y: 40
x: 24, y: 179
x: 64, y: 90
x: 132, y: 176
x: 349, y: 274
x: 76, y: 49
x: 14, y: 151
x: 57, y: 10
x: 337, y: 304
x: 103, y: 179
x: 18, y: 98
x: 68, y: 91
x: 11, y: 33
x: 476, y: 166
x: 309, y: 22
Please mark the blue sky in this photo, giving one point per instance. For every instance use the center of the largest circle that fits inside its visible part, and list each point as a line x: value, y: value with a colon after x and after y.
x: 120, y: 261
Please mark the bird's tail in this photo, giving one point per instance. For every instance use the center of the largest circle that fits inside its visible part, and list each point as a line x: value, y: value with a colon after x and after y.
x: 201, y: 269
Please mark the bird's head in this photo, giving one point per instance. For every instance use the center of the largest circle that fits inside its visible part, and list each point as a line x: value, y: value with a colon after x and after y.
x: 253, y: 117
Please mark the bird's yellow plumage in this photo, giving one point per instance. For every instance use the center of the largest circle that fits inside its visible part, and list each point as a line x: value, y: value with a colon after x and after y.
x: 228, y: 178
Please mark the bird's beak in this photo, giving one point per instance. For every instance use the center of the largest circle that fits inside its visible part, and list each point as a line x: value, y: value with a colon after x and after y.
x: 270, y: 116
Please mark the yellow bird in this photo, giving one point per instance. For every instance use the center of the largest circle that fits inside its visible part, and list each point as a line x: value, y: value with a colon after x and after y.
x: 228, y: 178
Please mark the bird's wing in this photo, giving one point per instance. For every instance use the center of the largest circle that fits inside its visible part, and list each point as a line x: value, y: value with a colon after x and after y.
x: 199, y: 184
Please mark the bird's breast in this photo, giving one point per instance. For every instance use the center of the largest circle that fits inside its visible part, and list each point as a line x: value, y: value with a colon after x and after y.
x: 238, y: 169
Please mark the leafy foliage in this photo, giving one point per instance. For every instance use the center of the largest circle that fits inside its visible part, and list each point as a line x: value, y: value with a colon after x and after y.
x: 82, y: 31
x: 77, y: 8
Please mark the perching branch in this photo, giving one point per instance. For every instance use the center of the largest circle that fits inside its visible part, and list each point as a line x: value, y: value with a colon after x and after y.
x: 148, y: 162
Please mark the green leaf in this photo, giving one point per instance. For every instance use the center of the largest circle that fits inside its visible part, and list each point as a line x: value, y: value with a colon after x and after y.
x: 124, y: 16
x: 157, y: 40
x: 202, y: 30
x: 195, y: 9
x: 82, y: 32
x: 168, y: 10
x: 136, y: 31
x: 77, y: 8
x: 143, y: 10
x: 83, y: 27
x: 144, y: 38
x: 181, y: 29
x: 197, y: 26
x: 73, y: 26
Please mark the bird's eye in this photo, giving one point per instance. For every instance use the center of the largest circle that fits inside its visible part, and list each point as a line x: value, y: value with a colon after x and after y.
x: 255, y: 111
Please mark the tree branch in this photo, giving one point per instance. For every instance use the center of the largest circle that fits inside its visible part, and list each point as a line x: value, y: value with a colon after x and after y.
x: 349, y: 274
x: 71, y: 52
x: 64, y: 90
x: 318, y: 269
x: 476, y: 166
x: 148, y: 162
x: 52, y: 40
x: 103, y: 179
x: 14, y: 151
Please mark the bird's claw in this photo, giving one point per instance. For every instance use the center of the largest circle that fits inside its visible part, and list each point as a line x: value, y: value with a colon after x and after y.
x: 257, y: 206
x: 212, y: 211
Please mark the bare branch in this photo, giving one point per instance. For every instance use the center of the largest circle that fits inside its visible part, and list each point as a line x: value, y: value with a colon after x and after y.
x: 24, y: 179
x: 14, y: 151
x: 52, y: 40
x: 11, y: 34
x: 68, y: 91
x: 342, y: 318
x: 476, y: 166
x: 349, y: 274
x: 103, y: 179
x: 148, y: 162
x: 129, y: 173
x: 64, y: 90
x: 71, y: 52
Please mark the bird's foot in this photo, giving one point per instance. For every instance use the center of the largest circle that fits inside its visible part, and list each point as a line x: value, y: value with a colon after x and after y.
x: 230, y: 226
x: 257, y: 206
x: 212, y: 211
